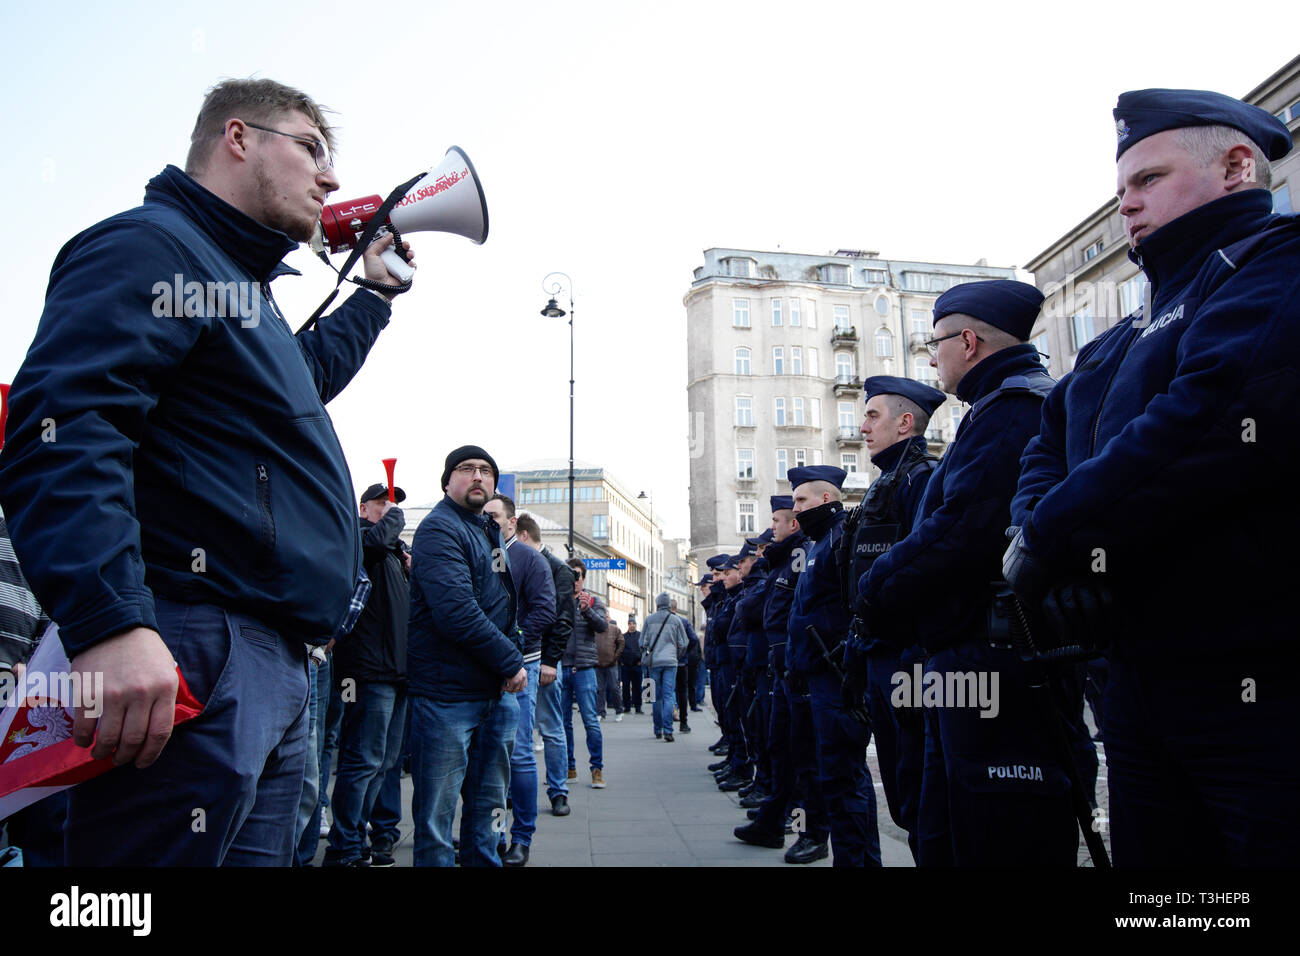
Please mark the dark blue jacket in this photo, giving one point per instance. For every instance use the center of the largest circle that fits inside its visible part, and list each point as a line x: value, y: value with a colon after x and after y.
x: 710, y: 603
x: 722, y: 624
x: 1172, y: 444
x: 818, y: 601
x: 940, y: 574
x: 535, y: 587
x: 787, y: 559
x: 463, y: 642
x: 747, y: 632
x: 193, y: 457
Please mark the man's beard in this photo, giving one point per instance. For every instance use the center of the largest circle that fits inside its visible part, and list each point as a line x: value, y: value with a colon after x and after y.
x: 296, y: 228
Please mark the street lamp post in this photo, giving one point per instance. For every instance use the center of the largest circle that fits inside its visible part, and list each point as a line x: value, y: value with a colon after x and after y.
x: 552, y: 286
x: 651, y: 498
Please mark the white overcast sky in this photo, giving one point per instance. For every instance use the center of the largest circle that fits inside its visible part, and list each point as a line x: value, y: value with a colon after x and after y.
x: 615, y: 142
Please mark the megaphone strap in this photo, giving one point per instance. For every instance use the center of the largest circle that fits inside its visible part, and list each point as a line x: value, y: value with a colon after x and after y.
x: 367, y: 236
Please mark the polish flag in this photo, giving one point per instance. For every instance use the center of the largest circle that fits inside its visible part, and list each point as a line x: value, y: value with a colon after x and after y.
x: 37, y: 754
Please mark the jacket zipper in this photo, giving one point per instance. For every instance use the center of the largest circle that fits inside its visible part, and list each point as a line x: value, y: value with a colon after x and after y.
x: 264, y: 507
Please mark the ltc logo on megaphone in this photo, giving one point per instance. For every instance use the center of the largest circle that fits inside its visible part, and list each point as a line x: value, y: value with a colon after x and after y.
x: 448, y: 198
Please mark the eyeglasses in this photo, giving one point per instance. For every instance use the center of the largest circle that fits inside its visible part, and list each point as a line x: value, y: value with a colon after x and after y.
x: 321, y: 151
x: 932, y: 346
x: 470, y: 470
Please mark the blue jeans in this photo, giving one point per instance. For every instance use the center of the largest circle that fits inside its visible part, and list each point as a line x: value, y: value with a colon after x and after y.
x: 460, y: 749
x: 369, y: 745
x: 386, y: 817
x: 523, y: 764
x: 309, y: 803
x: 665, y: 691
x: 701, y: 680
x: 240, y: 761
x: 550, y: 724
x: 581, y: 685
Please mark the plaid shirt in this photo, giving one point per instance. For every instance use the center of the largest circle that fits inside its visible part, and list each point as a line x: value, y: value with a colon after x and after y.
x: 22, y: 621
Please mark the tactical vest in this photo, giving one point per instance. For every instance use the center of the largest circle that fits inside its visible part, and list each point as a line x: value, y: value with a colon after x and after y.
x: 875, y: 526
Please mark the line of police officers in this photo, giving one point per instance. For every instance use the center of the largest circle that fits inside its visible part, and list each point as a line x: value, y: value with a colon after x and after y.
x: 912, y: 619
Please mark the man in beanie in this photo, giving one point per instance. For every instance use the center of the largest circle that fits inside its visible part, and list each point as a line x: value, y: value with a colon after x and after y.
x: 992, y: 791
x: 1189, y: 400
x: 370, y: 666
x: 466, y: 664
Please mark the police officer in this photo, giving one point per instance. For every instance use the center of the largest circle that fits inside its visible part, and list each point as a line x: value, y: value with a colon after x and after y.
x: 759, y: 710
x: 741, y: 581
x: 792, y: 744
x: 992, y: 790
x: 897, y: 413
x: 815, y: 656
x: 712, y: 604
x: 1188, y: 403
x: 729, y: 588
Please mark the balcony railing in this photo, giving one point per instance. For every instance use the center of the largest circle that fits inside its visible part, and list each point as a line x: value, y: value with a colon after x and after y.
x: 916, y: 341
x: 844, y: 334
x: 846, y: 383
x: 848, y: 435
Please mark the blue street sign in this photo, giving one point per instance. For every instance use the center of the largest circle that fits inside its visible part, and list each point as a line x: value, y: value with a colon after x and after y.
x: 605, y: 564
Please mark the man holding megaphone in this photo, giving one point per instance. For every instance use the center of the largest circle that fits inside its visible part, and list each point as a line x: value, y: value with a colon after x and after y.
x: 175, y: 488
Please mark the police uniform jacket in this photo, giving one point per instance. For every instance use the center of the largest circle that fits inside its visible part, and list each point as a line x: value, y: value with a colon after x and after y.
x: 1170, y: 448
x: 940, y: 574
x: 784, y: 556
x: 747, y: 634
x: 818, y: 601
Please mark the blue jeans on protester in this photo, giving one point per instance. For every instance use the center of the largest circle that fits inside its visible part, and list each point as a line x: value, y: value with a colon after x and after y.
x: 386, y: 817
x: 701, y: 681
x: 550, y: 724
x: 309, y: 802
x: 580, y: 685
x: 369, y: 745
x: 460, y: 749
x: 240, y: 761
x: 665, y: 691
x: 523, y: 763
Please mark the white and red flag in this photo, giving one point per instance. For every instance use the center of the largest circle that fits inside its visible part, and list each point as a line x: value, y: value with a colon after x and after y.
x: 37, y: 754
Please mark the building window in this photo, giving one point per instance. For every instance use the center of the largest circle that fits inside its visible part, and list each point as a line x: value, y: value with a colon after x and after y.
x: 740, y: 267
x: 796, y: 360
x: 780, y: 412
x: 1131, y: 294
x: 776, y: 312
x: 1040, y: 342
x: 1282, y: 199
x: 1093, y: 251
x: 600, y: 494
x: 956, y: 418
x: 744, y: 410
x: 875, y: 276
x: 782, y: 464
x: 842, y: 322
x: 600, y: 526
x: 745, y: 517
x: 844, y: 367
x: 835, y: 274
x: 778, y: 360
x: 919, y: 322
x: 740, y: 313
x: 846, y: 415
x: 742, y: 361
x: 1081, y: 329
x: 884, y: 344
x: 922, y: 372
x: 812, y: 363
x: 555, y: 494
x: 801, y: 457
x: 795, y: 318
x: 1287, y: 113
x: 815, y: 412
x: 812, y: 314
x: 745, y: 464
x: 849, y: 461
x: 797, y: 411
x: 584, y: 493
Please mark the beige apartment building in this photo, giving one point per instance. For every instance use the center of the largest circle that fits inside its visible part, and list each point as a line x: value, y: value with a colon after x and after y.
x: 778, y: 344
x: 1088, y: 279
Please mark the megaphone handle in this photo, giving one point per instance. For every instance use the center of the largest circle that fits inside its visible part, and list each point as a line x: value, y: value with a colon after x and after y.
x: 392, y: 258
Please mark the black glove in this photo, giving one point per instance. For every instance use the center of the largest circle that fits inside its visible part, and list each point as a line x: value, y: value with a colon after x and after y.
x: 1023, y: 569
x: 1082, y: 612
x: 853, y: 688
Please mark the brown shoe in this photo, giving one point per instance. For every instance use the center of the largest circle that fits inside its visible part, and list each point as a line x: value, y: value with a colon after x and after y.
x: 573, y: 773
x: 597, y: 780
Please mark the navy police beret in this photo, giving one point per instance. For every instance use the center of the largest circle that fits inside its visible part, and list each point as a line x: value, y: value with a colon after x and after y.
x: 1003, y: 303
x: 764, y: 538
x: 829, y: 473
x: 717, y: 561
x: 782, y: 502
x: 927, y: 397
x: 1142, y: 113
x: 704, y: 579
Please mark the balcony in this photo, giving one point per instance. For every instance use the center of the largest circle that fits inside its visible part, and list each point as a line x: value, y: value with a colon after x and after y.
x: 916, y: 341
x: 847, y: 385
x: 848, y: 435
x: 844, y: 335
